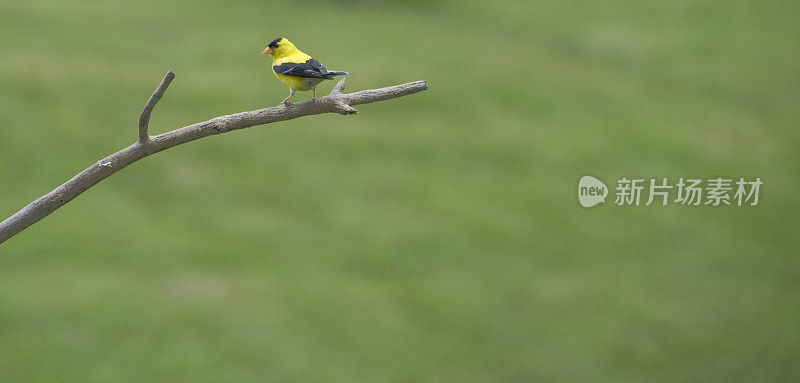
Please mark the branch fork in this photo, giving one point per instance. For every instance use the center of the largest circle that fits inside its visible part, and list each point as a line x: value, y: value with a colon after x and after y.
x: 335, y: 102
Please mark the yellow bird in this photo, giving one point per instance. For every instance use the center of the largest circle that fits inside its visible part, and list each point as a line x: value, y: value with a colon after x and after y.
x: 296, y: 69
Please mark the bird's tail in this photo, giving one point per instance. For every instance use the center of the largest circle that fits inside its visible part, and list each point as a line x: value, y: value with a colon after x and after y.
x: 338, y: 73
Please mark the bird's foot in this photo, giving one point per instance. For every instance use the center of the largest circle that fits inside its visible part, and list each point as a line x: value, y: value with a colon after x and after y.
x: 286, y: 103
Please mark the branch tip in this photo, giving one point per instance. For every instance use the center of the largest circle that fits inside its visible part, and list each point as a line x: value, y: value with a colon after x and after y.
x: 144, y: 118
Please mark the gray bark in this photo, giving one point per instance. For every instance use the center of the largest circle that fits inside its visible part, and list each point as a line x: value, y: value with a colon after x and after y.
x: 335, y: 102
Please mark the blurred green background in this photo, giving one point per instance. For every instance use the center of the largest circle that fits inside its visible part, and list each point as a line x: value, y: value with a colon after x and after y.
x: 436, y: 237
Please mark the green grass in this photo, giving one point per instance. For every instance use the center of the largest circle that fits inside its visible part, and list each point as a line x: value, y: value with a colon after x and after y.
x: 435, y: 237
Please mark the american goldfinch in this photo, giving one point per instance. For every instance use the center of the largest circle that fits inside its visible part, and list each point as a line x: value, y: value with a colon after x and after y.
x: 296, y: 69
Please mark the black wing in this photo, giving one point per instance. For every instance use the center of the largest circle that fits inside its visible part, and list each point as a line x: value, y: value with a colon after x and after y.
x: 311, y: 68
x: 318, y: 65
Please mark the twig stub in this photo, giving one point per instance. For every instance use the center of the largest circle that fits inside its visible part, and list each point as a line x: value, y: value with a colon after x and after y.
x: 144, y: 118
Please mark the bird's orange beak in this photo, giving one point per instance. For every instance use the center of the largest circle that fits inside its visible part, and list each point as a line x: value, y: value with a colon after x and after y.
x: 267, y: 51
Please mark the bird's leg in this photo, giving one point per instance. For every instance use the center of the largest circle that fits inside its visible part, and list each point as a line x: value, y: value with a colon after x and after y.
x: 314, y: 97
x: 286, y: 100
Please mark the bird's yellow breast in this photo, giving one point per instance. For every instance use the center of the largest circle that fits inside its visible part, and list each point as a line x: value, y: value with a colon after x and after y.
x: 294, y: 82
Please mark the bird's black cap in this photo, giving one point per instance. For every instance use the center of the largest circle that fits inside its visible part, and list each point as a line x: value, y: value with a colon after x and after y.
x: 274, y: 43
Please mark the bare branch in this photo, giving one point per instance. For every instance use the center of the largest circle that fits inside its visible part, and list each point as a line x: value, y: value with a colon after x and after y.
x: 144, y: 118
x: 335, y: 102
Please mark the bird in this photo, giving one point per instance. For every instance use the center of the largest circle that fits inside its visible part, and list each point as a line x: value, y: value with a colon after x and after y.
x: 296, y: 69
